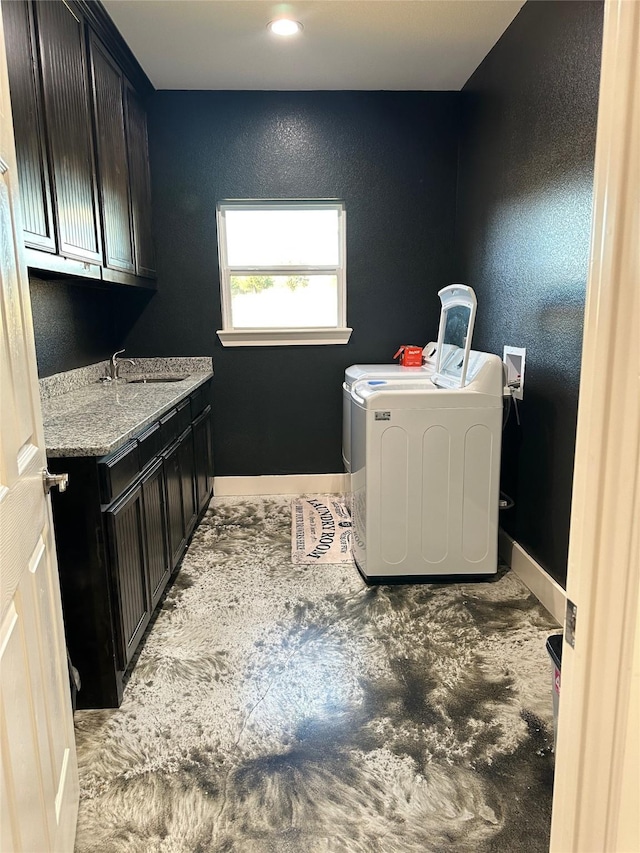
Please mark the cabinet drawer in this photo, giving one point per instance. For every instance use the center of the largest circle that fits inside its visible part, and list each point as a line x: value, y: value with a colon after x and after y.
x: 200, y: 399
x: 183, y: 416
x: 149, y: 444
x: 168, y: 428
x: 198, y: 403
x: 118, y: 470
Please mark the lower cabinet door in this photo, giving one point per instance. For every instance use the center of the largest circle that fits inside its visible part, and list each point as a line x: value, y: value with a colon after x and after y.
x: 175, y: 516
x: 155, y: 529
x: 125, y: 525
x: 187, y: 472
x: 203, y: 454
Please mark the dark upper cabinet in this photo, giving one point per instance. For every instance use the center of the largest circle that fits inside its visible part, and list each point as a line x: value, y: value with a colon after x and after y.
x: 81, y: 142
x: 68, y: 124
x: 113, y: 176
x: 138, y: 145
x: 26, y: 98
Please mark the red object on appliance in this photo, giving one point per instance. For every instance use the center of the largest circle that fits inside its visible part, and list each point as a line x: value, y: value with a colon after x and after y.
x: 409, y: 356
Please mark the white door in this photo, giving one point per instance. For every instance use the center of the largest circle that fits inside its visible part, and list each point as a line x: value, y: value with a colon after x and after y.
x: 39, y: 781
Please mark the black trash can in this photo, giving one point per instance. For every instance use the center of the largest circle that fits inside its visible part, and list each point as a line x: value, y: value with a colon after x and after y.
x: 554, y: 647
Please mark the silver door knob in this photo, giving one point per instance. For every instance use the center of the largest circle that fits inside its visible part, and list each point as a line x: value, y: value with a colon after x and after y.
x: 51, y: 481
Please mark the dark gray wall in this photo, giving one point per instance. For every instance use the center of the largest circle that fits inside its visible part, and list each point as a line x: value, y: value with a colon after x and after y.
x: 79, y: 324
x: 522, y: 240
x: 74, y: 325
x: 390, y: 156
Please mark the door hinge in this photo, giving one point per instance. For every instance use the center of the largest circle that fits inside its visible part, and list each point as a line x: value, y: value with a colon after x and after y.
x: 570, y: 623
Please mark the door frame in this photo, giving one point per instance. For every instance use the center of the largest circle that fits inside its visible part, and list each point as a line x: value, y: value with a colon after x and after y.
x: 595, y: 803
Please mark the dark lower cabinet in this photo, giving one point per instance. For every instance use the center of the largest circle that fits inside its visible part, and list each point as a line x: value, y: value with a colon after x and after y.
x: 187, y: 474
x: 122, y: 528
x: 155, y: 530
x: 127, y: 550
x: 175, y: 514
x: 182, y: 514
x: 203, y: 458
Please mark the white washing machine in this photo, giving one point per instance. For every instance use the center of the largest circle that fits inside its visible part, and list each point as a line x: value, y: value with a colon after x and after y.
x: 425, y: 460
x: 378, y: 372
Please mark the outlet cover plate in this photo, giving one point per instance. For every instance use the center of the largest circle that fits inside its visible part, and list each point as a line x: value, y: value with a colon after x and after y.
x: 514, y: 359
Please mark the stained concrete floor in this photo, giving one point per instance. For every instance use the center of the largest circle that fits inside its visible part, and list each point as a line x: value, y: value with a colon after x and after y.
x: 279, y: 707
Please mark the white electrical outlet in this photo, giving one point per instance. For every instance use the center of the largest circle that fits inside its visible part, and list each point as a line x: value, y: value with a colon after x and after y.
x: 514, y: 359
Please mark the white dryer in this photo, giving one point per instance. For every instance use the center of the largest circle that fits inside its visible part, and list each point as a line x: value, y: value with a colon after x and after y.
x: 425, y: 460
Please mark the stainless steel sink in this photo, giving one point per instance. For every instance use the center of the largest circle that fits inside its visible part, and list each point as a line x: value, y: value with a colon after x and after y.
x: 162, y: 377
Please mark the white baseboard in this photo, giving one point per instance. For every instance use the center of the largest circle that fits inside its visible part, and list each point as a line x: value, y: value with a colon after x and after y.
x: 286, y: 484
x: 548, y: 591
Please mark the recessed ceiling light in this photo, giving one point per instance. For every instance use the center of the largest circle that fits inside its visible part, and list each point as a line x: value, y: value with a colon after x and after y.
x: 284, y: 27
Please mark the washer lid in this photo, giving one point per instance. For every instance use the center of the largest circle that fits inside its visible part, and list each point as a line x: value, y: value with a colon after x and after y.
x: 392, y: 371
x: 455, y: 332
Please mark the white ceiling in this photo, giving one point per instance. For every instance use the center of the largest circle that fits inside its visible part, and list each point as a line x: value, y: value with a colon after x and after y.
x: 345, y: 44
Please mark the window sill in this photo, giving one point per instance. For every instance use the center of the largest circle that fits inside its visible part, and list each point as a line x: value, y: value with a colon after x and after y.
x: 283, y: 337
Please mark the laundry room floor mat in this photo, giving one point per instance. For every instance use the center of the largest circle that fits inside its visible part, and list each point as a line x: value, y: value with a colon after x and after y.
x: 320, y: 530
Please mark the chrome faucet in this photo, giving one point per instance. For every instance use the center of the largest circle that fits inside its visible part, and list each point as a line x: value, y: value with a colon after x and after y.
x: 115, y: 364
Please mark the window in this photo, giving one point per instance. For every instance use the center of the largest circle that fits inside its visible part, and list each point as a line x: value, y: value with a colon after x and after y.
x: 282, y: 272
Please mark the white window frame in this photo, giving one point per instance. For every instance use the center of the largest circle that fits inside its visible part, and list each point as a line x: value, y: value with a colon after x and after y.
x: 231, y: 337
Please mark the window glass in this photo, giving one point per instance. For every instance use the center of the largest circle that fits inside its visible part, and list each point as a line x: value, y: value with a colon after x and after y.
x: 282, y: 238
x: 284, y: 301
x: 282, y: 272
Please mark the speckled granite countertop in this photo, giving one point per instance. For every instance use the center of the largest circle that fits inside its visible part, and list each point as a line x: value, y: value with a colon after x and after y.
x: 85, y: 417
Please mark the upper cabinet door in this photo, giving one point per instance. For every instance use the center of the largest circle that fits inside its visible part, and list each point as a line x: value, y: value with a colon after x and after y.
x: 31, y: 150
x: 113, y: 171
x: 66, y: 100
x: 140, y: 184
